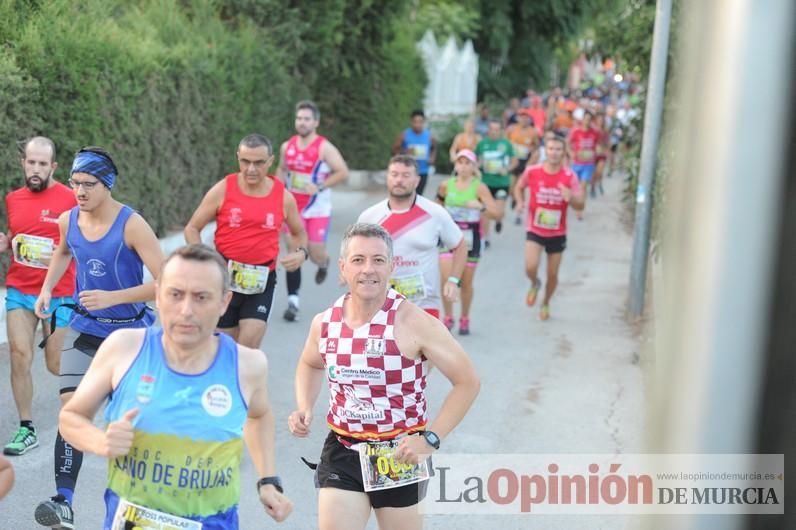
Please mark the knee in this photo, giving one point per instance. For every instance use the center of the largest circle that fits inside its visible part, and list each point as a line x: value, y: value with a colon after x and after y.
x: 53, y: 366
x: 20, y: 361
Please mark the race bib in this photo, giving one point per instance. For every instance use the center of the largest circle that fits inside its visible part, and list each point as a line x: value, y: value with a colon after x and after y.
x: 522, y: 151
x: 493, y: 165
x: 33, y: 251
x: 586, y: 155
x: 412, y: 287
x: 380, y: 471
x: 300, y: 181
x: 547, y: 219
x: 418, y: 151
x: 461, y: 214
x: 132, y: 516
x: 247, y: 279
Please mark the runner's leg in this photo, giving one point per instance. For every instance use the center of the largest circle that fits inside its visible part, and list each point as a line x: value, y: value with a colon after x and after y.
x: 407, y: 518
x: 342, y: 509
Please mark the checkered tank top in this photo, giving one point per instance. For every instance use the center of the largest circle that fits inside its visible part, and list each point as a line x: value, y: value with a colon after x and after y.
x: 374, y: 391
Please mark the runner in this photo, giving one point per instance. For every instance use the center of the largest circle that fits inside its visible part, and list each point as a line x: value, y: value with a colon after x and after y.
x: 181, y: 399
x: 497, y: 159
x: 525, y: 142
x: 417, y: 226
x: 310, y: 165
x: 110, y: 244
x: 601, y: 153
x: 583, y: 140
x: 466, y: 198
x: 538, y: 114
x: 511, y: 114
x: 553, y: 188
x: 391, y: 338
x: 33, y: 212
x: 417, y: 142
x: 482, y: 120
x: 467, y: 139
x: 249, y: 208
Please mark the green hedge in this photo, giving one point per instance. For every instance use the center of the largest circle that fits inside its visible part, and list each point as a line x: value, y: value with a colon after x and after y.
x: 169, y: 87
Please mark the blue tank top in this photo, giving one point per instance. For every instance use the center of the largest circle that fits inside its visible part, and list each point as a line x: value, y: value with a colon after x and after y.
x: 107, y: 264
x: 418, y: 145
x: 188, y: 437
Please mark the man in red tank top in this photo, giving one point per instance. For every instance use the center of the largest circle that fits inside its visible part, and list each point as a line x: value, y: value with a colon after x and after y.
x: 310, y: 165
x: 374, y: 347
x: 33, y: 212
x: 553, y: 188
x: 249, y: 208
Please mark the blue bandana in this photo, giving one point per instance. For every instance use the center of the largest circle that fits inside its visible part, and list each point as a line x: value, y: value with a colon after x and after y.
x: 96, y: 165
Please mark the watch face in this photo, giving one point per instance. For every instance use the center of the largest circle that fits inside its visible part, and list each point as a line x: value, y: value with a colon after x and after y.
x: 432, y: 439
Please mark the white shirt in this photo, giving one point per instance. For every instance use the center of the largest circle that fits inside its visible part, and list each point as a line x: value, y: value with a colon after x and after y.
x: 416, y: 233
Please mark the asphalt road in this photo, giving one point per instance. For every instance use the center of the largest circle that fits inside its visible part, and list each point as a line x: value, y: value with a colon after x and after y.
x: 569, y: 385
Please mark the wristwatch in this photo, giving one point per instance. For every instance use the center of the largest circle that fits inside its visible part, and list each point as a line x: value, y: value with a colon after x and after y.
x: 276, y: 482
x: 305, y: 251
x: 432, y: 439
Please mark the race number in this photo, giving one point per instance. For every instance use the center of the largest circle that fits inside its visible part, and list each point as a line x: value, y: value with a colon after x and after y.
x: 380, y: 471
x: 247, y: 279
x: 132, y: 516
x: 300, y: 181
x: 412, y: 287
x: 547, y: 219
x: 33, y: 251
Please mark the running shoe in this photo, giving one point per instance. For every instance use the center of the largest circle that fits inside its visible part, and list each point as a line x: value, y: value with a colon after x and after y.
x: 518, y: 220
x: 23, y: 441
x: 448, y: 321
x: 498, y: 227
x: 593, y: 193
x: 486, y: 244
x: 544, y: 312
x: 291, y: 313
x: 464, y: 326
x: 323, y: 270
x: 56, y: 514
x: 602, y: 190
x: 530, y: 299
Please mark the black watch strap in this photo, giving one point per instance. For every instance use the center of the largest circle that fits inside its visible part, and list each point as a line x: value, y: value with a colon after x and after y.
x: 432, y: 439
x: 276, y: 482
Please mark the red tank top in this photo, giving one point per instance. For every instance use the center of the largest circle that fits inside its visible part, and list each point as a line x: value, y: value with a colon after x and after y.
x: 374, y: 391
x: 305, y: 167
x: 247, y: 228
x: 36, y: 214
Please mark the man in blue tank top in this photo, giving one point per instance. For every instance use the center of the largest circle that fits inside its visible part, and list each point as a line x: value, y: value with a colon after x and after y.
x: 110, y: 244
x: 417, y: 142
x: 182, y: 397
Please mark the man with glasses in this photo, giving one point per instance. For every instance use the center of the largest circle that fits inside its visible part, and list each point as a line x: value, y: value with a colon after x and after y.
x: 249, y: 208
x: 110, y: 244
x: 33, y: 212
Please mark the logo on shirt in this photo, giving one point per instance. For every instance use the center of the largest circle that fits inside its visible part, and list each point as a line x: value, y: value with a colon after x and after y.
x: 145, y: 389
x: 235, y: 217
x: 359, y: 409
x: 269, y: 220
x: 45, y: 217
x: 331, y: 345
x: 182, y: 396
x: 96, y: 267
x: 347, y: 374
x: 375, y: 347
x: 217, y: 400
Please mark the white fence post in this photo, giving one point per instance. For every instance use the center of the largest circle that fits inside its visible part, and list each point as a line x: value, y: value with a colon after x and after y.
x: 452, y: 76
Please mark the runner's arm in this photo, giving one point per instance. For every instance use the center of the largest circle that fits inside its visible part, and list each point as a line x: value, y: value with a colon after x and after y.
x: 453, y: 239
x: 139, y: 236
x: 331, y: 155
x: 398, y: 144
x: 115, y: 355
x: 258, y: 431
x: 205, y: 213
x: 486, y: 199
x: 454, y: 146
x: 297, y: 238
x: 6, y: 477
x: 309, y: 378
x: 432, y: 155
x: 519, y: 191
x: 281, y: 169
x: 437, y: 344
x: 61, y: 256
x: 442, y: 192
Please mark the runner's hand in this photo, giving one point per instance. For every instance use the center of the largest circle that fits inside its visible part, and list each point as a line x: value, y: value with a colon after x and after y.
x: 566, y: 193
x: 519, y: 208
x: 96, y: 299
x: 310, y: 189
x: 119, y: 435
x: 42, y: 307
x: 293, y: 260
x: 299, y: 423
x: 412, y: 450
x: 451, y: 292
x: 276, y: 504
x: 474, y: 204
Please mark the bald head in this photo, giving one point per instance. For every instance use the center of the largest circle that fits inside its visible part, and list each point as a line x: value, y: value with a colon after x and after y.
x: 39, y: 143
